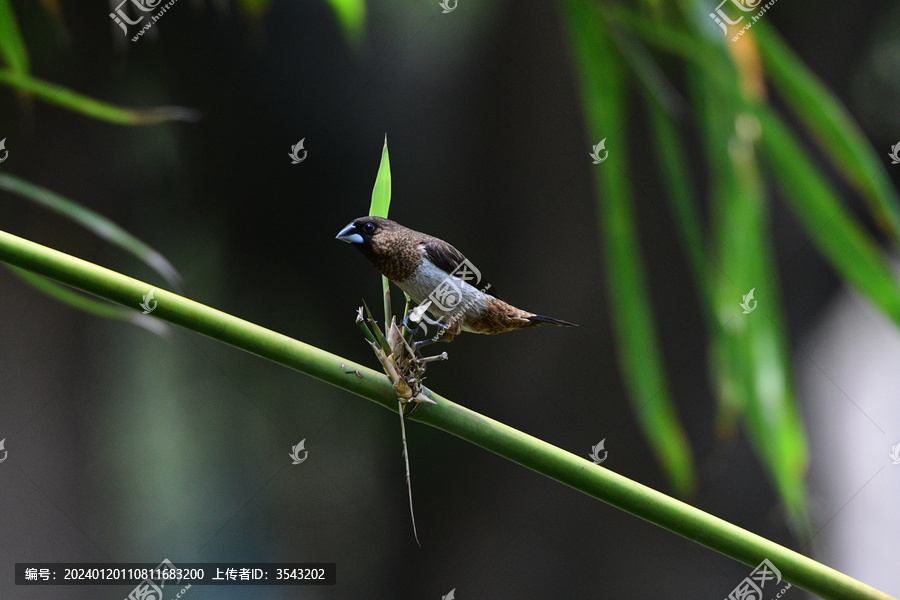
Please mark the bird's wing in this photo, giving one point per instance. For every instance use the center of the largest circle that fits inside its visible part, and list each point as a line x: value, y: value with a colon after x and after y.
x: 446, y: 257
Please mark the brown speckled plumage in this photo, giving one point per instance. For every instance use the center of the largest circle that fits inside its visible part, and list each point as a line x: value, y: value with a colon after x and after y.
x: 398, y: 255
x: 500, y: 317
x: 420, y: 263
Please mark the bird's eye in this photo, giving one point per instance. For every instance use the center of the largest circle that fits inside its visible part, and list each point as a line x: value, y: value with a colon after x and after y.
x: 369, y: 227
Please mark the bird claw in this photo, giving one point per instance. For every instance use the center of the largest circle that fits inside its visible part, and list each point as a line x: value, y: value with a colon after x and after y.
x: 437, y: 324
x: 419, y: 317
x: 443, y: 328
x: 415, y: 315
x: 422, y: 343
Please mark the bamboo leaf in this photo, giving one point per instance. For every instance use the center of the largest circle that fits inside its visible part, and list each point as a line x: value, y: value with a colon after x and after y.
x: 662, y: 35
x: 382, y: 341
x: 12, y: 47
x: 832, y: 127
x: 749, y: 354
x: 89, y: 305
x: 381, y: 204
x: 683, y: 201
x: 351, y: 15
x: 602, y: 84
x: 832, y: 228
x: 381, y: 192
x: 654, y: 81
x: 70, y: 100
x: 93, y: 222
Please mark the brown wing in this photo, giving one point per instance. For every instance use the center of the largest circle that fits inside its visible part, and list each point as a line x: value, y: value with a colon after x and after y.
x: 446, y: 257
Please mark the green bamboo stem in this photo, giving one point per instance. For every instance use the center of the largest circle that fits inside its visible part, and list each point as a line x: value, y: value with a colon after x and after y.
x: 519, y: 447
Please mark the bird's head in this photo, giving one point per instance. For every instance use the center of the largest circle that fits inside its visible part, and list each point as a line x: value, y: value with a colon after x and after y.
x: 391, y: 247
x: 371, y: 235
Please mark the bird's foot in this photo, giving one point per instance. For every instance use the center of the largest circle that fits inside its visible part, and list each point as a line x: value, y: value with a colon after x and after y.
x: 444, y: 335
x: 421, y: 344
x: 438, y: 324
x: 419, y: 319
x: 415, y: 316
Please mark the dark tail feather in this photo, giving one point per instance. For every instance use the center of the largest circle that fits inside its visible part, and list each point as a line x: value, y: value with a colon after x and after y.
x: 536, y: 319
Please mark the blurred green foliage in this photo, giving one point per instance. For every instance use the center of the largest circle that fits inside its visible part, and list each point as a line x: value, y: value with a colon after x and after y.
x: 722, y: 100
x: 15, y: 75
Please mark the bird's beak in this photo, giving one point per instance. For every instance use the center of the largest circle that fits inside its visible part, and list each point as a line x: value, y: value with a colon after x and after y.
x: 350, y: 235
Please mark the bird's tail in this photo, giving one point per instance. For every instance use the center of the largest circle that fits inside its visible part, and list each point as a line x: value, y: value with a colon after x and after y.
x: 537, y: 319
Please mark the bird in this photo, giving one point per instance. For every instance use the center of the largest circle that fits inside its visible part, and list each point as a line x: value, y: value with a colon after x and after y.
x: 438, y: 277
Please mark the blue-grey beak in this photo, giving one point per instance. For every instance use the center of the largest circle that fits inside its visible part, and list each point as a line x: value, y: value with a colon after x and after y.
x: 350, y: 235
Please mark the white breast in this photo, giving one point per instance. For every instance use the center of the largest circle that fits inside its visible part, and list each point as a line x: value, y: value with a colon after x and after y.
x: 451, y: 297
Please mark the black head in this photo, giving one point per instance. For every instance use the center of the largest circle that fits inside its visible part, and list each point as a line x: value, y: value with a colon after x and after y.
x: 391, y: 247
x: 368, y: 233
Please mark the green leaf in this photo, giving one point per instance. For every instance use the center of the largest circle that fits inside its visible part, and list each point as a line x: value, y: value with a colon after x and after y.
x: 833, y: 128
x: 683, y: 201
x: 382, y: 341
x: 662, y: 35
x: 602, y: 83
x: 12, y: 46
x: 93, y: 222
x: 652, y: 78
x: 381, y: 203
x: 66, y: 98
x: 89, y: 305
x: 351, y: 14
x: 381, y: 193
x: 832, y: 228
x: 749, y: 355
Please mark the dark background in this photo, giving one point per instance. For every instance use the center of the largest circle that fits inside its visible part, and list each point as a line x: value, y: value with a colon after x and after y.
x: 124, y: 446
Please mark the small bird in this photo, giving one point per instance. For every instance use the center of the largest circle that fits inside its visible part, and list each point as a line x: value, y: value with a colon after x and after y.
x: 436, y: 275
